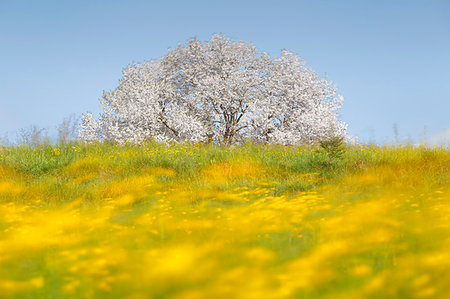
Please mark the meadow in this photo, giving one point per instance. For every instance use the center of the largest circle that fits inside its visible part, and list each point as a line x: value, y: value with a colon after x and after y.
x: 200, y: 221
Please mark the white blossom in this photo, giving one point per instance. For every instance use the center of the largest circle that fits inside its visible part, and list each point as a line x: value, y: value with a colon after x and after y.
x: 221, y: 91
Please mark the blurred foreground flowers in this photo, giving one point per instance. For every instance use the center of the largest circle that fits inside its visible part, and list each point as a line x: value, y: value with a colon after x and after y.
x: 95, y: 228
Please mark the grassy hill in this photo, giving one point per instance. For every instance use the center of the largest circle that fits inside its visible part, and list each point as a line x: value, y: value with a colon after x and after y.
x: 198, y: 221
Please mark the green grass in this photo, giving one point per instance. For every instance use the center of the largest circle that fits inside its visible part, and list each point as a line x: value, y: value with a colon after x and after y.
x: 200, y: 221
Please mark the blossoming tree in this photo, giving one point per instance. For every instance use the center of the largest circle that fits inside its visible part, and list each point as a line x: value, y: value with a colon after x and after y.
x: 220, y: 91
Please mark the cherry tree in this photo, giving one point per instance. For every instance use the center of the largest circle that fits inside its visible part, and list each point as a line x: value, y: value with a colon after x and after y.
x: 220, y: 91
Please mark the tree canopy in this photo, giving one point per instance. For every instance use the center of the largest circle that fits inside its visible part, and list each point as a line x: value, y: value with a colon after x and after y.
x: 220, y: 91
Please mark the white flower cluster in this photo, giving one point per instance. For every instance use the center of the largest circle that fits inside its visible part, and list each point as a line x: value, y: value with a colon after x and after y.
x: 220, y: 91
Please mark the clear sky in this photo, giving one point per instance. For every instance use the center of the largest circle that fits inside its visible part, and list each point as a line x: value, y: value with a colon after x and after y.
x: 389, y: 59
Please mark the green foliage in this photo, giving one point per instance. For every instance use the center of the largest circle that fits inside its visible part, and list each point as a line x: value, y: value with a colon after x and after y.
x: 331, y: 160
x: 126, y: 221
x: 38, y: 159
x: 334, y: 147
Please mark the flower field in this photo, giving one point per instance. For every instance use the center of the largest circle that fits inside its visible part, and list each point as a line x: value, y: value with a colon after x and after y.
x: 198, y: 221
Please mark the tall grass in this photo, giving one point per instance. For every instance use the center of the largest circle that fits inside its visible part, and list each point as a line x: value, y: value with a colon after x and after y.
x: 200, y: 221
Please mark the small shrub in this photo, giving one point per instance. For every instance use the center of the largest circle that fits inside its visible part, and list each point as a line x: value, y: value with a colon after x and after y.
x: 334, y: 148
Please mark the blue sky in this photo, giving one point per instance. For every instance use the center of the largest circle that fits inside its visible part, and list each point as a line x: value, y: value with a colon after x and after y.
x: 389, y: 59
